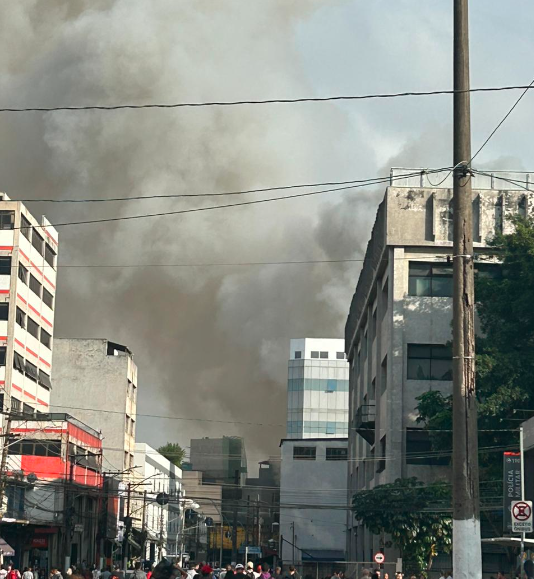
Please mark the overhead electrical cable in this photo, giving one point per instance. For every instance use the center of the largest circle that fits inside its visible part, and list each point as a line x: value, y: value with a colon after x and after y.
x: 178, y: 105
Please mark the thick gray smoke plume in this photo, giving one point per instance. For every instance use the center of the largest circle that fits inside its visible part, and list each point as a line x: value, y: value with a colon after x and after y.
x: 209, y: 341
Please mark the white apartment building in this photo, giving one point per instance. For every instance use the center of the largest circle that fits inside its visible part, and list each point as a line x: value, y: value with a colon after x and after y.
x: 28, y: 254
x: 95, y: 380
x: 312, y: 502
x: 317, y: 389
x: 162, y: 523
x: 398, y: 331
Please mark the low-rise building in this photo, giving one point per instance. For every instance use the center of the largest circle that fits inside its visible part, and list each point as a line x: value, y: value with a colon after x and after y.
x: 160, y: 481
x: 53, y: 489
x: 313, y: 502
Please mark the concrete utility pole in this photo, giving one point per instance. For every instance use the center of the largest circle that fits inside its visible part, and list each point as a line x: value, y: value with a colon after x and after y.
x: 467, y: 552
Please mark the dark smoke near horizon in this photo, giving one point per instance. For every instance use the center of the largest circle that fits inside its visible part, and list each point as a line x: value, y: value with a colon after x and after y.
x: 209, y: 342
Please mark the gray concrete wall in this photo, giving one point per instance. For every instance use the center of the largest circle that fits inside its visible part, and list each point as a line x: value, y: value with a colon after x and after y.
x: 87, y: 382
x: 318, y: 484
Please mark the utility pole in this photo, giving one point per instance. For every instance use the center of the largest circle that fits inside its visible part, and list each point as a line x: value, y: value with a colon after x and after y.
x: 143, y: 526
x: 127, y: 529
x: 3, y: 462
x: 467, y: 553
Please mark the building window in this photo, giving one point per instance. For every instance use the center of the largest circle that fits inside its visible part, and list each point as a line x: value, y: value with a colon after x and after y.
x: 427, y: 362
x: 33, y: 328
x: 50, y: 255
x: 15, y: 405
x: 336, y: 454
x: 324, y: 355
x: 381, y: 466
x: 25, y: 227
x: 37, y: 241
x: 2, y: 355
x: 430, y: 279
x: 315, y: 354
x: 419, y: 449
x: 384, y: 375
x: 20, y: 318
x: 298, y: 355
x: 44, y: 380
x: 330, y: 428
x: 4, y: 311
x: 331, y: 385
x: 35, y: 286
x: 46, y: 339
x: 5, y: 265
x: 127, y: 426
x: 48, y: 298
x: 340, y: 355
x: 28, y: 411
x: 23, y: 274
x: 7, y: 220
x: 31, y: 371
x: 304, y: 452
x: 19, y: 363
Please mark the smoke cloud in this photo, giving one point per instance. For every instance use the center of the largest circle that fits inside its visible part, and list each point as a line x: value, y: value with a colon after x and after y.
x: 210, y: 342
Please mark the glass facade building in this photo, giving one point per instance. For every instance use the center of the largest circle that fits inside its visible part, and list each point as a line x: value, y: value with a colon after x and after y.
x: 317, y: 389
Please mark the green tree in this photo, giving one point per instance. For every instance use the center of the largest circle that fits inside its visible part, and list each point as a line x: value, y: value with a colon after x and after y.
x: 414, y: 515
x: 505, y: 354
x: 173, y: 452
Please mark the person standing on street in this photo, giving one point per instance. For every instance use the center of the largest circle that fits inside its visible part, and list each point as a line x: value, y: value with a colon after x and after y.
x: 240, y: 572
x: 138, y: 572
x: 278, y: 573
x: 265, y: 571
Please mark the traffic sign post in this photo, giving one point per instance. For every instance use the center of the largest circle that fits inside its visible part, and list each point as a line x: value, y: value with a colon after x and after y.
x: 521, y: 516
x: 379, y: 558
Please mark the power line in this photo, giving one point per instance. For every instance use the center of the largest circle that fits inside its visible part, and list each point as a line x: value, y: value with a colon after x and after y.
x: 256, y: 102
x: 527, y: 88
x: 216, y: 194
x: 363, y: 183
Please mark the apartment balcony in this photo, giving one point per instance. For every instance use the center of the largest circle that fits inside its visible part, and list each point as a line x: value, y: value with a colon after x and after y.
x: 365, y: 422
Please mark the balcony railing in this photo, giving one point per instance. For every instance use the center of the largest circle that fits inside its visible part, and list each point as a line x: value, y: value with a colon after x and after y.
x: 365, y: 422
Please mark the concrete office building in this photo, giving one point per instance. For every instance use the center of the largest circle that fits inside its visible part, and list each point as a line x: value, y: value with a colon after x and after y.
x: 317, y: 389
x: 314, y: 474
x: 220, y: 460
x: 28, y: 254
x: 398, y: 331
x: 92, y: 376
x: 162, y: 522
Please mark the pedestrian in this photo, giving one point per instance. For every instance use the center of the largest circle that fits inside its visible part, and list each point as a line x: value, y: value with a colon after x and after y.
x: 138, y: 572
x: 12, y: 573
x: 449, y: 574
x: 240, y: 572
x: 386, y: 575
x: 335, y: 574
x: 95, y: 572
x: 27, y: 574
x: 55, y: 574
x: 292, y: 573
x: 3, y: 572
x: 106, y: 573
x: 207, y: 572
x: 365, y: 574
x: 265, y: 574
x: 250, y: 570
x: 278, y: 573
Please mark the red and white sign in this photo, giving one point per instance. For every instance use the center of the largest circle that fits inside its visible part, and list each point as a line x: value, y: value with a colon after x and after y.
x: 521, y: 516
x: 379, y: 558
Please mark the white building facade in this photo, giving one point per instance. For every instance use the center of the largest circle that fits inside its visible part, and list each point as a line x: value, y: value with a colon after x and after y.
x: 317, y: 389
x: 398, y: 333
x: 312, y: 501
x: 28, y: 256
x: 162, y: 523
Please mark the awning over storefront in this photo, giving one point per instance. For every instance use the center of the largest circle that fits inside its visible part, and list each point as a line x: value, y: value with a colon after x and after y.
x: 5, y: 549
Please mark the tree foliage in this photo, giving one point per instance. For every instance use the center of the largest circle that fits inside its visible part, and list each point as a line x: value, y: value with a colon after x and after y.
x: 413, y: 515
x: 173, y: 452
x: 505, y: 354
